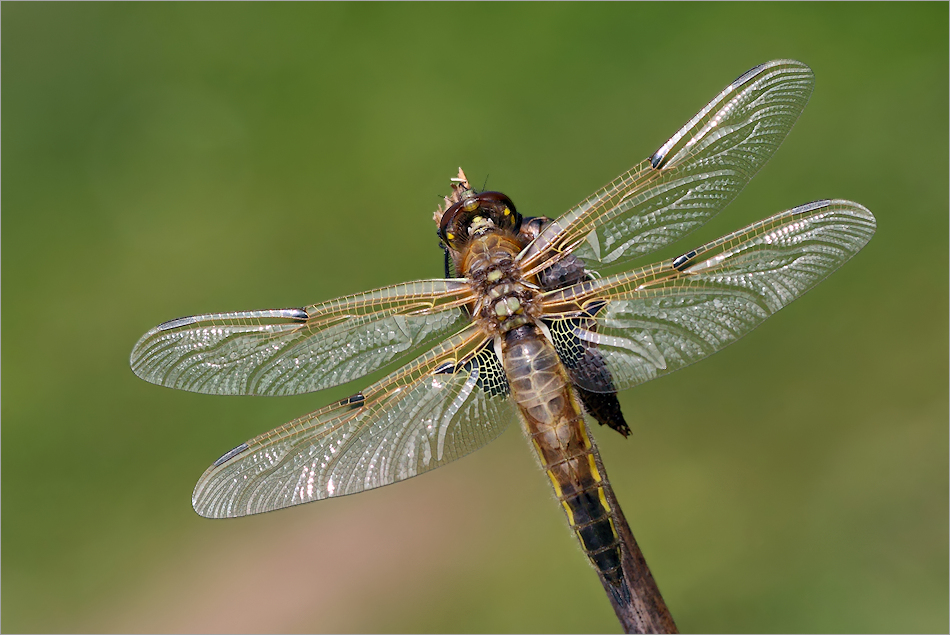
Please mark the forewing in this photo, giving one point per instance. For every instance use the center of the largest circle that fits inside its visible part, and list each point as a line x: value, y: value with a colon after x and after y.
x: 292, y: 351
x: 689, y: 179
x: 652, y: 321
x: 445, y: 404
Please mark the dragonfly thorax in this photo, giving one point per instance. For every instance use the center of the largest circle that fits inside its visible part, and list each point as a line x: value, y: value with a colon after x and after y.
x: 505, y: 301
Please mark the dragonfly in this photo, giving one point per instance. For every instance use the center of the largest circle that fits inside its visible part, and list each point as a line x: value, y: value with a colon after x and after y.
x: 538, y: 321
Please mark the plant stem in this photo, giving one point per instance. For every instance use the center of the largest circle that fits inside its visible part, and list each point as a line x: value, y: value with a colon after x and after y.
x: 644, y: 611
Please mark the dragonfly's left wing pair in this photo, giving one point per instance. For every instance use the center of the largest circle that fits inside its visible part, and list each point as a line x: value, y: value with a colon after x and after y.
x: 438, y: 408
x: 447, y: 402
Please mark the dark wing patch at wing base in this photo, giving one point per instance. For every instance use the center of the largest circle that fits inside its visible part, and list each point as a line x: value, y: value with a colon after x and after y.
x: 491, y: 375
x: 587, y: 369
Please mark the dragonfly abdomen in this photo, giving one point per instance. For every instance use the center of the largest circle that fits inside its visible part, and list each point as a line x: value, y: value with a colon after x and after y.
x: 555, y: 425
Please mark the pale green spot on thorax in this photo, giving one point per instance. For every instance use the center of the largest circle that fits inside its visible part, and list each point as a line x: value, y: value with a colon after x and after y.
x: 508, y: 306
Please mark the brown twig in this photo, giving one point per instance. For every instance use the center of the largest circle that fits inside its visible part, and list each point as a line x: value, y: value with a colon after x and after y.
x: 645, y: 611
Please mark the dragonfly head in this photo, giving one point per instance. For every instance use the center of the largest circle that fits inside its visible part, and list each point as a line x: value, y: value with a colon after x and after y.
x: 475, y: 214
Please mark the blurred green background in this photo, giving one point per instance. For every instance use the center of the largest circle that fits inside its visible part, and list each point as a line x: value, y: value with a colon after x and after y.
x: 162, y: 160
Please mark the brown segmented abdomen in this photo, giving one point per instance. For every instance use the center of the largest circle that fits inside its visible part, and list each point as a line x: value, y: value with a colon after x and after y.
x: 555, y: 426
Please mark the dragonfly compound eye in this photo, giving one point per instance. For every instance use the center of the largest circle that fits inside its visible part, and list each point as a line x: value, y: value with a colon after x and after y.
x: 501, y: 210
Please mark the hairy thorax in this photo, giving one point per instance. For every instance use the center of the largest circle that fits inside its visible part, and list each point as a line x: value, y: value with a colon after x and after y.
x: 505, y: 299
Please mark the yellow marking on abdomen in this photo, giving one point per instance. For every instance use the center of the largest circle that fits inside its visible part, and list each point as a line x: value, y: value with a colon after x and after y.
x: 593, y: 468
x: 603, y: 501
x: 583, y: 429
x: 570, y: 514
x: 537, y: 448
x: 557, y: 486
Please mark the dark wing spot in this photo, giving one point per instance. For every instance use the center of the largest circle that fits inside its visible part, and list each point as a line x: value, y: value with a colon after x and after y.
x: 296, y: 314
x: 230, y: 454
x: 742, y: 79
x: 354, y: 401
x: 681, y: 261
x: 174, y: 324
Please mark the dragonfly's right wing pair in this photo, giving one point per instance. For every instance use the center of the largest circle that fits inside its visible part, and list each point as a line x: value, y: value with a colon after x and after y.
x: 651, y: 321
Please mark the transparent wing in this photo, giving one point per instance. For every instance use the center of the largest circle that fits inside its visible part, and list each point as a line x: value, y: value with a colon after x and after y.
x: 689, y: 179
x: 292, y: 351
x: 652, y: 321
x: 443, y: 405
